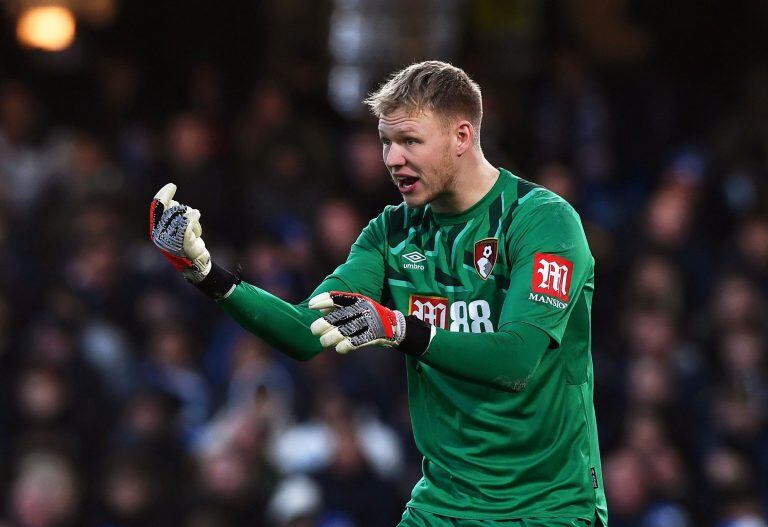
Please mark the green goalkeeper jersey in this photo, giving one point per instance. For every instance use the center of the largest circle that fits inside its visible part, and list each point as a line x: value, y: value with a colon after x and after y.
x: 518, y: 440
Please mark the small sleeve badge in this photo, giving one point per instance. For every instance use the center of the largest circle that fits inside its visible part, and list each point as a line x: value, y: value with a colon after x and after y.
x: 552, y: 275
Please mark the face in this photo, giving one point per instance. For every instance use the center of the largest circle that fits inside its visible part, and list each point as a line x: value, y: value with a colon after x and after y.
x: 417, y: 153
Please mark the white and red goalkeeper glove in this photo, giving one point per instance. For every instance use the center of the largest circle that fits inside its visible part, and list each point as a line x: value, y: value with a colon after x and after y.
x: 354, y: 321
x: 176, y: 231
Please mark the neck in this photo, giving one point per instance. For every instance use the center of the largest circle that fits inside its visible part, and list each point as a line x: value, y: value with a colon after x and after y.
x: 472, y: 181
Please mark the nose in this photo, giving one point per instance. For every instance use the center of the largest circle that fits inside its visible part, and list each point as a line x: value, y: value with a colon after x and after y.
x: 394, y: 156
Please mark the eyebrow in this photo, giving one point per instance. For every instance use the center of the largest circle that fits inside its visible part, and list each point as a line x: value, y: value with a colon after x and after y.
x: 406, y: 131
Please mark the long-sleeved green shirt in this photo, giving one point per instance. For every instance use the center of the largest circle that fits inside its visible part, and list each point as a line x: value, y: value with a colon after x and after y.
x: 501, y: 402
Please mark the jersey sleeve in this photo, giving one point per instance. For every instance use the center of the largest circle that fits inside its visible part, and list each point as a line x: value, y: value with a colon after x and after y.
x: 509, y: 359
x: 550, y: 265
x: 286, y: 326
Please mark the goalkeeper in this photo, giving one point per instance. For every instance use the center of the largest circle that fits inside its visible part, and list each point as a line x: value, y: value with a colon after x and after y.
x: 489, y: 283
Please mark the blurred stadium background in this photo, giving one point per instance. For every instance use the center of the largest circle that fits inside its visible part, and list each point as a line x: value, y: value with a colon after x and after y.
x: 128, y: 400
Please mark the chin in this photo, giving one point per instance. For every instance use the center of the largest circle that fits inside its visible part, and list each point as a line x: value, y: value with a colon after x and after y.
x: 415, y: 202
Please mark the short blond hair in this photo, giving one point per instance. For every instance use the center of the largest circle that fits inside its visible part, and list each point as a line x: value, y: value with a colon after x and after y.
x: 433, y: 86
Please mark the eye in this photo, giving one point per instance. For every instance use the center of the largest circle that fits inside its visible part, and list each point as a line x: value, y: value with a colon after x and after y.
x: 410, y: 141
x: 385, y: 142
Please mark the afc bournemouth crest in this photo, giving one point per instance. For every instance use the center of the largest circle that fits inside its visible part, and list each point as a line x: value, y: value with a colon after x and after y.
x: 486, y: 252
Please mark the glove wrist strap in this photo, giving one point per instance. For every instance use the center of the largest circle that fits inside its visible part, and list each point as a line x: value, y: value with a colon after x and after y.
x: 219, y: 283
x: 417, y: 337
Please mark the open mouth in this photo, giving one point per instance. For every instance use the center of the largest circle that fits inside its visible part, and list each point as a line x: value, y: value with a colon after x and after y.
x: 406, y: 184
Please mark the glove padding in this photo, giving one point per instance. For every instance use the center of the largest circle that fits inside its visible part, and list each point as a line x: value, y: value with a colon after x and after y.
x: 175, y: 229
x: 354, y: 321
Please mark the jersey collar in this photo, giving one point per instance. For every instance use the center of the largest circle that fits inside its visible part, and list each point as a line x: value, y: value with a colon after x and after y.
x: 478, y: 208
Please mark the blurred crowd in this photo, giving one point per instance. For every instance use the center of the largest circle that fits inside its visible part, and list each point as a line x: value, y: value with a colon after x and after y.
x: 128, y: 399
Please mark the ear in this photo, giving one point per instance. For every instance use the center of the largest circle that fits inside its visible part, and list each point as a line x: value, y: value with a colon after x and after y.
x: 465, y: 137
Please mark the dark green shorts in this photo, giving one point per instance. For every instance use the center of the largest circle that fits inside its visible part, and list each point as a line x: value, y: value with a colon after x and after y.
x: 419, y: 518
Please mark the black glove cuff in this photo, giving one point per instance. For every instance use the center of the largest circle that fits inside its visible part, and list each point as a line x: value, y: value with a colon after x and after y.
x: 219, y: 281
x: 417, y: 335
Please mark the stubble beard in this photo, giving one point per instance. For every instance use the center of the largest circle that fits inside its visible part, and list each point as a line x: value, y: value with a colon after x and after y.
x: 439, y: 182
x: 442, y: 181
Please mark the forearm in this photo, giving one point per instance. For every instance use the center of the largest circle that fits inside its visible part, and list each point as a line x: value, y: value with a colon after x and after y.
x: 506, y: 360
x: 283, y: 325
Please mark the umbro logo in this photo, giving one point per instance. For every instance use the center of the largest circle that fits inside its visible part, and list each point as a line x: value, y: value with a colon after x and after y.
x: 415, y: 258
